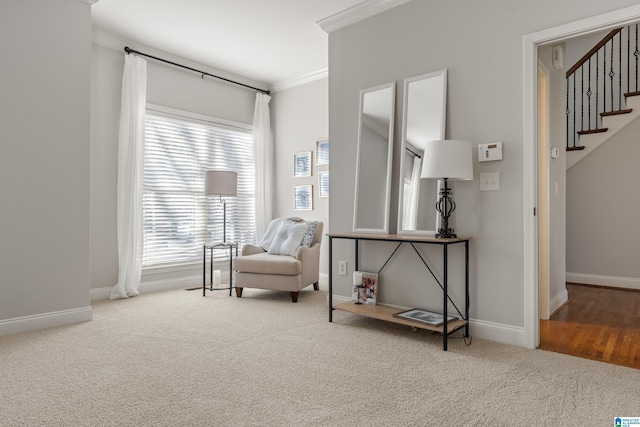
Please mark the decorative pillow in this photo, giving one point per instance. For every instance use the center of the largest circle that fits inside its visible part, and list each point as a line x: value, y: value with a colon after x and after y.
x: 307, y: 240
x: 272, y: 228
x: 288, y: 238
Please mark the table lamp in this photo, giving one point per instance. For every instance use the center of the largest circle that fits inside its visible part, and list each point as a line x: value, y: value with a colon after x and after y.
x: 445, y: 160
x: 221, y: 183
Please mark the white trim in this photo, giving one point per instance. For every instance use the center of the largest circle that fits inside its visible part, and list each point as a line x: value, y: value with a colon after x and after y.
x: 114, y: 42
x: 301, y: 80
x: 53, y: 319
x: 558, y: 300
x: 606, y: 281
x: 498, y: 332
x: 530, y: 62
x: 202, y: 118
x: 99, y: 294
x: 357, y: 13
x: 89, y: 2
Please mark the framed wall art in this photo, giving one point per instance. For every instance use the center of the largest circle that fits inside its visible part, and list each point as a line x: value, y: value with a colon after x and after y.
x: 303, y: 197
x: 322, y: 151
x: 323, y: 183
x: 302, y: 163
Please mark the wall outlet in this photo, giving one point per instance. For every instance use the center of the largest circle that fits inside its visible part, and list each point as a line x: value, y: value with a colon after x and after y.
x: 342, y: 268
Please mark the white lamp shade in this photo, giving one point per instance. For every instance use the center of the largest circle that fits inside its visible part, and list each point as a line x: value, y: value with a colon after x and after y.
x: 220, y: 183
x: 449, y: 159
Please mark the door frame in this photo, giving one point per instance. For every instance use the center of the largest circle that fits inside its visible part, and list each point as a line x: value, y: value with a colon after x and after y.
x: 531, y: 42
x: 543, y: 212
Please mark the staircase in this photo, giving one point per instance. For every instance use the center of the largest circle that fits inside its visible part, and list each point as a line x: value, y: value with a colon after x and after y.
x: 602, y: 92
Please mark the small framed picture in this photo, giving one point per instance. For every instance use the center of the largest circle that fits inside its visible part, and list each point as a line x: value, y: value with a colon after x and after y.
x: 322, y: 151
x: 323, y: 183
x: 302, y: 163
x: 303, y: 197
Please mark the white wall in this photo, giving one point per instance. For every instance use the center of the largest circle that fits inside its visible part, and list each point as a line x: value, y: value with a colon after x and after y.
x: 481, y: 45
x: 167, y: 86
x: 44, y: 163
x: 299, y: 119
x: 603, y: 230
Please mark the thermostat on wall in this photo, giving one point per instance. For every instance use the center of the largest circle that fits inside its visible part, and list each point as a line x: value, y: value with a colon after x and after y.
x: 490, y: 151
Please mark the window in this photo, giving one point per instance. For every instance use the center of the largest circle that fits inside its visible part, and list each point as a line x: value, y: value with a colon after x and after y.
x: 178, y: 218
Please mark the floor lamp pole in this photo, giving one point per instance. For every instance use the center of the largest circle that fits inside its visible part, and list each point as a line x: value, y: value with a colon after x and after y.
x: 224, y: 219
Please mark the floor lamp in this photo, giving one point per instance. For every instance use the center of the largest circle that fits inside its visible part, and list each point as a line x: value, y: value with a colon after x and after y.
x: 221, y: 183
x: 445, y: 160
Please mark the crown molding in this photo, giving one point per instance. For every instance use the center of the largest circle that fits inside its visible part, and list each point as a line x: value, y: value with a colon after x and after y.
x: 117, y: 43
x: 357, y: 13
x: 301, y: 80
x: 89, y: 2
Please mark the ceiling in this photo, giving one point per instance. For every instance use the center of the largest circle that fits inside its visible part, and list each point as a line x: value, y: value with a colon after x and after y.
x: 269, y: 42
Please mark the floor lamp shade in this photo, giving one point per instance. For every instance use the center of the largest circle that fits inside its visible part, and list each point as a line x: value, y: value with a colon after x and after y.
x: 445, y: 160
x: 220, y: 183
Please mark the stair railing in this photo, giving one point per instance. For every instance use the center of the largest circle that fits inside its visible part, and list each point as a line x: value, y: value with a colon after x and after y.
x: 598, y: 82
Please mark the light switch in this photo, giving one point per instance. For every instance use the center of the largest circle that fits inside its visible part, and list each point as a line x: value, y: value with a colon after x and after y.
x: 490, y: 181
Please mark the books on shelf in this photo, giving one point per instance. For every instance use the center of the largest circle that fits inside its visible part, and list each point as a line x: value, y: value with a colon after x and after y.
x: 424, y: 316
x: 365, y: 287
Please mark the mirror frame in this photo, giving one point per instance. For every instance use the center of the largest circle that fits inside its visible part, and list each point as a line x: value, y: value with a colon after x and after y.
x: 405, y: 114
x: 387, y: 197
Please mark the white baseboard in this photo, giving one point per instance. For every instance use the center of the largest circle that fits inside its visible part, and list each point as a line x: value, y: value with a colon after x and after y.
x: 608, y: 281
x: 54, y: 319
x: 505, y: 334
x: 558, y: 300
x: 99, y: 294
x: 498, y: 332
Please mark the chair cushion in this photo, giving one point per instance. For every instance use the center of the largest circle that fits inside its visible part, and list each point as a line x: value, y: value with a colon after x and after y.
x: 266, y: 263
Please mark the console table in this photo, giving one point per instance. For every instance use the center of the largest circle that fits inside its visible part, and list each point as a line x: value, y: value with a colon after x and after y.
x: 387, y: 313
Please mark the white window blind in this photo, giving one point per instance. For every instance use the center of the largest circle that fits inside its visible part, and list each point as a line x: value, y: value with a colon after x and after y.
x: 178, y: 218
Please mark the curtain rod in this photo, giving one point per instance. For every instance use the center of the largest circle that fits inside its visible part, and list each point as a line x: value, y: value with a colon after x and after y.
x: 204, y: 73
x: 413, y: 152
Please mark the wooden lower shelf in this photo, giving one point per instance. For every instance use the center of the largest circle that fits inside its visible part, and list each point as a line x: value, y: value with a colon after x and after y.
x: 382, y: 312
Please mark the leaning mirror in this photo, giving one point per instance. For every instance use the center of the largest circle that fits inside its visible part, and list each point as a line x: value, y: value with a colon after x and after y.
x: 423, y: 120
x: 373, y: 161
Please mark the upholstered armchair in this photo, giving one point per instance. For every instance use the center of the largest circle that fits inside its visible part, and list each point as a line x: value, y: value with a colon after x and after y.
x: 286, y: 259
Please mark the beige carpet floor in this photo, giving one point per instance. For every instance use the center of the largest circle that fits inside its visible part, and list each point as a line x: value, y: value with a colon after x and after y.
x: 177, y: 359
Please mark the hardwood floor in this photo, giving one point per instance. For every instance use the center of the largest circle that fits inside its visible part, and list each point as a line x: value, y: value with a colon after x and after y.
x: 598, y: 323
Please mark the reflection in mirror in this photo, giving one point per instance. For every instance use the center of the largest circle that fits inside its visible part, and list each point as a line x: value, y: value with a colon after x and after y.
x: 373, y: 162
x: 423, y: 120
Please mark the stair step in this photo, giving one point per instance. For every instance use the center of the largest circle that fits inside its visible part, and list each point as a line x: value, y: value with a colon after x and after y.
x: 587, y: 132
x: 628, y: 94
x: 576, y: 148
x: 615, y: 113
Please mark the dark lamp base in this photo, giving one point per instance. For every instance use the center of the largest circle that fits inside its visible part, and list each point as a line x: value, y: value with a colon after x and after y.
x: 446, y: 235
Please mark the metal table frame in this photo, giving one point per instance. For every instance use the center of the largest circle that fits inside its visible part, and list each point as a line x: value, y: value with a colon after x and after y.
x: 210, y: 247
x: 412, y: 240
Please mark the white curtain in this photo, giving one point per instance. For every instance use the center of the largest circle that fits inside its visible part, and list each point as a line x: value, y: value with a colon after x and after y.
x: 263, y: 156
x: 414, y: 195
x: 130, y: 169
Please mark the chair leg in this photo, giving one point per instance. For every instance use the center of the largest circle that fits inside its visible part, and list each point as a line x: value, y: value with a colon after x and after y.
x: 238, y: 292
x: 316, y: 286
x: 294, y: 296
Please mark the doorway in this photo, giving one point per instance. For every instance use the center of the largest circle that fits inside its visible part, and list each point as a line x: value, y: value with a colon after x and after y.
x: 530, y: 167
